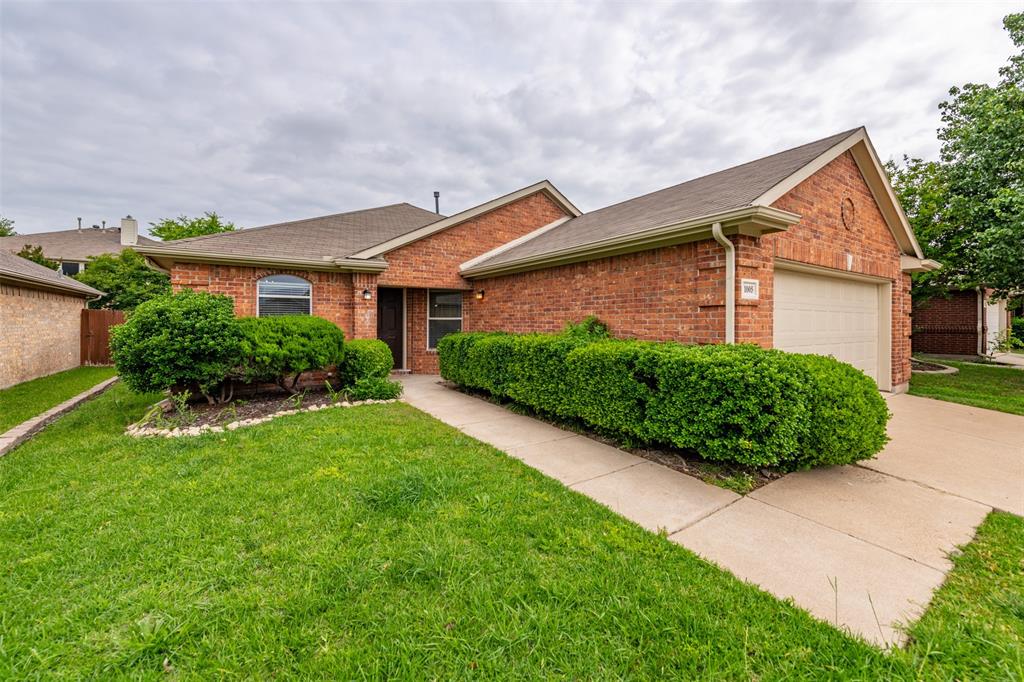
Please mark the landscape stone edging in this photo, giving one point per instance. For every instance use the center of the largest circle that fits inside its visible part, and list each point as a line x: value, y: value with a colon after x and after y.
x: 14, y: 437
x: 137, y: 430
x: 946, y: 369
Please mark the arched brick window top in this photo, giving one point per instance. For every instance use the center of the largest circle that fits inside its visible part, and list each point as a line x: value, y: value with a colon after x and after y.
x: 283, y: 295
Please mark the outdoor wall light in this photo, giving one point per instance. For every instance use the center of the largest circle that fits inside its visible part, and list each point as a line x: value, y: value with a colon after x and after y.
x: 480, y: 294
x: 367, y: 295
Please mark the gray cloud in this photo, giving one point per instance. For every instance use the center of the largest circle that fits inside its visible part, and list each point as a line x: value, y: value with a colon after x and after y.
x: 267, y: 112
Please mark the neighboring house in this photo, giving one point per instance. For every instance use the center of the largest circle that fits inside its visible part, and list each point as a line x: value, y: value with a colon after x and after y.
x: 968, y: 322
x: 40, y: 320
x: 806, y: 250
x: 72, y: 248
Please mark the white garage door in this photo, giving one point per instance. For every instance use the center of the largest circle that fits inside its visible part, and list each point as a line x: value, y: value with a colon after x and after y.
x: 828, y: 316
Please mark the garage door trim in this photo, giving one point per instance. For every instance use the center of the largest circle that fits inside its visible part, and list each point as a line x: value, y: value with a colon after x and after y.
x: 884, y: 371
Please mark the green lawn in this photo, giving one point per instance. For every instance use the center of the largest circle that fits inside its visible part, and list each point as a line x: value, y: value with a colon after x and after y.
x: 990, y: 387
x: 377, y: 542
x: 26, y: 400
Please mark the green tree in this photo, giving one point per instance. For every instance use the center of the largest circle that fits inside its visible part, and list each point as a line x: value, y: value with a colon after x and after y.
x: 125, y: 278
x: 183, y: 226
x: 6, y: 227
x: 35, y: 254
x: 968, y: 207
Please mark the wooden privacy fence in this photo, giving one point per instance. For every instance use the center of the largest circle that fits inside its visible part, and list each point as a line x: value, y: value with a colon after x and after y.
x: 96, y: 326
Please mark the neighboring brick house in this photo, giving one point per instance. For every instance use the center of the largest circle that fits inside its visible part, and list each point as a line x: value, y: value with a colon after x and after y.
x: 73, y: 248
x: 814, y: 247
x: 40, y: 320
x: 968, y: 322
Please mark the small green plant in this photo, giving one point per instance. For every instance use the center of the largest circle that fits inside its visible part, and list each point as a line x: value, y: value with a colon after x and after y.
x: 335, y: 395
x: 228, y: 414
x: 375, y: 388
x: 185, y: 414
x: 365, y: 359
x: 589, y: 328
x: 296, y: 399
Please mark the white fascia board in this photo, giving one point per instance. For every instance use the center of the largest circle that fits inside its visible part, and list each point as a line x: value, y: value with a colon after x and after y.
x: 768, y: 219
x: 877, y: 180
x: 451, y: 221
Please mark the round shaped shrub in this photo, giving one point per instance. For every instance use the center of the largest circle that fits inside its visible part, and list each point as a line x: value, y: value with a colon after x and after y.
x: 847, y: 413
x: 374, y: 388
x: 186, y: 339
x: 280, y: 349
x: 366, y: 359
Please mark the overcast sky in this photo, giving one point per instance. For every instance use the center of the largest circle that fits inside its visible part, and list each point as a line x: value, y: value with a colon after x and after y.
x: 278, y: 111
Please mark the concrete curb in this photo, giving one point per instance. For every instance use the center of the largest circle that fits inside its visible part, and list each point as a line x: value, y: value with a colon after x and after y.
x: 30, y: 427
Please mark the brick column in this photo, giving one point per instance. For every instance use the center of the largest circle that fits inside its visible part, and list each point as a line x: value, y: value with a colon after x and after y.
x: 754, y: 317
x: 364, y: 312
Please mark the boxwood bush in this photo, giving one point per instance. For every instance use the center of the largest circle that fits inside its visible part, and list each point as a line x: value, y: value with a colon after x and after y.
x: 280, y: 349
x: 187, y: 339
x: 365, y: 369
x: 733, y: 403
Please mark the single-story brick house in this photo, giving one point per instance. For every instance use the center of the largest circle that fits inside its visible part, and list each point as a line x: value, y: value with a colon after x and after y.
x: 806, y: 250
x: 967, y: 322
x: 40, y: 320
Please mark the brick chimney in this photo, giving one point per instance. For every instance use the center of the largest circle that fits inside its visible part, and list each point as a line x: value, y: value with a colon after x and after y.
x: 129, y: 231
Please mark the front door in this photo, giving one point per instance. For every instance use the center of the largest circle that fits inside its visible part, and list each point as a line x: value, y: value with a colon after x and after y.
x: 390, y: 314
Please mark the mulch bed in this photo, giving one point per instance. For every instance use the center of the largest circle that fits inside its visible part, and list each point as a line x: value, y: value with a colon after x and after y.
x: 252, y: 407
x: 922, y: 366
x: 689, y: 463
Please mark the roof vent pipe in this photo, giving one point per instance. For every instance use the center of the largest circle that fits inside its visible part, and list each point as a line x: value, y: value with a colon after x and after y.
x: 730, y: 282
x: 437, y: 202
x: 79, y: 224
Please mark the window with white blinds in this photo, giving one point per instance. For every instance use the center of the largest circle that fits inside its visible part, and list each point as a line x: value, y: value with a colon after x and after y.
x: 283, y: 295
x: 444, y: 315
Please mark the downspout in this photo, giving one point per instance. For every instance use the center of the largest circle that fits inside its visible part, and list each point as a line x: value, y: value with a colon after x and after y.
x: 982, y: 341
x: 730, y: 282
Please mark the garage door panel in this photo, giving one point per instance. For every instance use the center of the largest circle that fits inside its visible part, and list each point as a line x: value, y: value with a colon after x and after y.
x: 828, y: 316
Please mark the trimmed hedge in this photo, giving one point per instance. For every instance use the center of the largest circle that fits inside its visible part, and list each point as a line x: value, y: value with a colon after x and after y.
x: 739, y: 404
x: 365, y: 359
x: 186, y: 339
x: 280, y: 349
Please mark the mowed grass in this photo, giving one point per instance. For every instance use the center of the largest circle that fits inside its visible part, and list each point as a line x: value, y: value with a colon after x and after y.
x: 376, y: 542
x: 990, y: 387
x: 31, y: 398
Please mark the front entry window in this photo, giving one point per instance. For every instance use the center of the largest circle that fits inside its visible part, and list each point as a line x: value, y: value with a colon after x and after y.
x: 444, y: 315
x: 283, y: 295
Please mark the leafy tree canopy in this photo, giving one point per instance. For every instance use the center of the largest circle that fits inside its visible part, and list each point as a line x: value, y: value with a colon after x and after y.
x: 967, y: 208
x: 125, y: 278
x: 183, y: 226
x: 35, y: 254
x: 6, y: 227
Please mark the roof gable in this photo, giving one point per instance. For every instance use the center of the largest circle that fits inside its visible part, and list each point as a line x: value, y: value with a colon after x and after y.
x: 712, y: 198
x: 543, y: 186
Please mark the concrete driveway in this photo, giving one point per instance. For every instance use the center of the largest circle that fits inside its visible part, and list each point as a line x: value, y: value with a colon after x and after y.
x: 862, y: 547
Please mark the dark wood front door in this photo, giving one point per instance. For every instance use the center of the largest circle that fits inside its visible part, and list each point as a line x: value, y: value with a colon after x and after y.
x: 390, y: 313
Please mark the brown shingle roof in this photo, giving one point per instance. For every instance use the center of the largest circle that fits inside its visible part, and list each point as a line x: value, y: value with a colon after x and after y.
x: 331, y: 236
x: 733, y: 188
x: 71, y: 245
x: 25, y: 272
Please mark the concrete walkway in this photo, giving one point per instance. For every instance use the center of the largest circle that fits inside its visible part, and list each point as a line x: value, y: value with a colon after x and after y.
x: 22, y: 432
x: 861, y: 547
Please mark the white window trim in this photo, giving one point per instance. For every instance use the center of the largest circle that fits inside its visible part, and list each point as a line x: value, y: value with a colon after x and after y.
x: 310, y: 297
x: 429, y: 318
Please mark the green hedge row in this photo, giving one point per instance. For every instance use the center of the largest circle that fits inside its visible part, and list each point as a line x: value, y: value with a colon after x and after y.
x: 735, y: 403
x: 193, y: 340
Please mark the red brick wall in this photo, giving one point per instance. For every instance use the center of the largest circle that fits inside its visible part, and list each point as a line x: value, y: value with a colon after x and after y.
x: 947, y: 325
x: 332, y: 291
x: 676, y: 293
x: 434, y: 261
x: 672, y: 293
